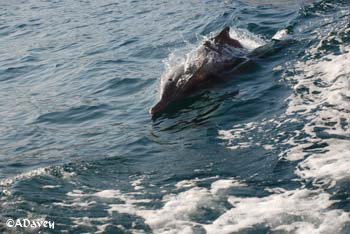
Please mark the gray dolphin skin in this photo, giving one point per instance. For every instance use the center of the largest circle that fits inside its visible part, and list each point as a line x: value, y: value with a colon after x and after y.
x: 215, y: 56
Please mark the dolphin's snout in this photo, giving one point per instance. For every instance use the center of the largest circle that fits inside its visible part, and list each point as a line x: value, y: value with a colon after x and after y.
x: 157, y: 108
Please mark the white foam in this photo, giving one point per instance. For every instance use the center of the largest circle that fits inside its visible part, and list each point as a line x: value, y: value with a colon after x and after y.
x: 281, y: 35
x: 76, y: 193
x: 297, y: 211
x: 76, y: 200
x: 175, y: 215
x: 137, y: 183
x: 108, y: 194
x: 294, y: 211
x: 193, y: 182
x: 303, y: 211
x: 330, y: 167
x: 185, y: 184
x: 246, y: 38
x: 75, y: 204
x: 51, y: 186
x: 325, y: 104
x: 268, y: 147
x: 243, y: 135
x: 224, y: 184
x: 26, y: 175
x: 91, y: 222
x: 68, y: 175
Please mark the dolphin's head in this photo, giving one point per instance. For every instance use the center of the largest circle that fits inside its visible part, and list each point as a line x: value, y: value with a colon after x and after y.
x: 170, y: 91
x: 173, y: 90
x: 168, y: 96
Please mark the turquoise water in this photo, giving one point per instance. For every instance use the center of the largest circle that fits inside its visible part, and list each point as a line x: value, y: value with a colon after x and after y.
x: 268, y: 151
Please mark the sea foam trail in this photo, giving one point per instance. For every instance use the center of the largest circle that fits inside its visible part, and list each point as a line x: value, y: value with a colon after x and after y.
x: 321, y: 103
x: 297, y: 211
x: 328, y: 112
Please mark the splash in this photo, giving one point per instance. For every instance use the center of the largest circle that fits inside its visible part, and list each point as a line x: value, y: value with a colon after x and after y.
x: 190, y: 57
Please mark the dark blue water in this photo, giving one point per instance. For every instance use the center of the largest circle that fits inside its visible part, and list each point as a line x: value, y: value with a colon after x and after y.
x: 268, y: 151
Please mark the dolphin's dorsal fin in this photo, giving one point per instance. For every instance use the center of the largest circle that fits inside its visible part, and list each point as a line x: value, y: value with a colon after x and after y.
x: 224, y: 38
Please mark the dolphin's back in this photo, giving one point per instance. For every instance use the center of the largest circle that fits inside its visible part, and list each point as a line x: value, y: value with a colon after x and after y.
x: 213, y: 60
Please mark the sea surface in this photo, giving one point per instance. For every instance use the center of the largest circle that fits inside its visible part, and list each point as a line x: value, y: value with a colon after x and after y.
x: 268, y: 151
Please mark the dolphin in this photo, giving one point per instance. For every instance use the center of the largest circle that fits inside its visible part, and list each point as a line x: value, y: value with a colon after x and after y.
x: 212, y: 59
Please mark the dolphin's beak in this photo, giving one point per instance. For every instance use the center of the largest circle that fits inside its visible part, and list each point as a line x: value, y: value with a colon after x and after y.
x: 160, y: 106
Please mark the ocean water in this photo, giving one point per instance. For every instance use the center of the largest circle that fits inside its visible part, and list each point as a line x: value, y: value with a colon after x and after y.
x: 268, y: 151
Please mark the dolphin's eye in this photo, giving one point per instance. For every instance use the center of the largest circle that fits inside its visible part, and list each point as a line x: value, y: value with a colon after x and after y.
x: 170, y: 79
